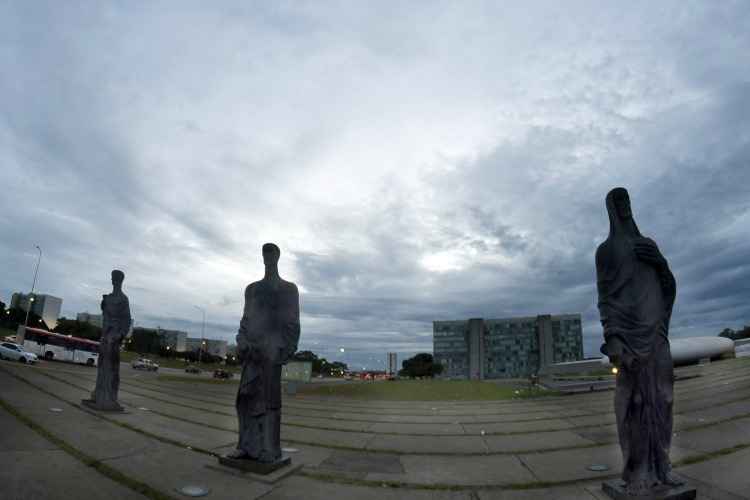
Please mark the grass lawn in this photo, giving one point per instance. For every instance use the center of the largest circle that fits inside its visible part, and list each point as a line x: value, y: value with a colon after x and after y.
x: 423, y: 390
x: 198, y: 380
x: 6, y: 332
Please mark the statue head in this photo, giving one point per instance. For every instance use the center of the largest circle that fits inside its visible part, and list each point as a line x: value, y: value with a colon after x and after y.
x: 621, y: 202
x: 118, y: 277
x: 620, y: 213
x: 271, y: 254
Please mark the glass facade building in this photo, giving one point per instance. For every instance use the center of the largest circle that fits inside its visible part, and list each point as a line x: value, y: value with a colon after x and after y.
x: 506, y: 347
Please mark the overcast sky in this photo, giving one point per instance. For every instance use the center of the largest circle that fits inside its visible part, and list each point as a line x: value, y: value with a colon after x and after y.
x: 415, y: 161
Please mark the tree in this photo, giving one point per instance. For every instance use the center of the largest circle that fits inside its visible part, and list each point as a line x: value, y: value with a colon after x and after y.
x: 735, y: 335
x: 78, y: 329
x: 421, y: 365
x: 15, y: 316
x: 305, y: 356
x: 144, y: 341
x: 727, y: 333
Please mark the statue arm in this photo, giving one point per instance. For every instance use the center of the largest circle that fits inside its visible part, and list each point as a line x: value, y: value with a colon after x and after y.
x: 243, y: 343
x: 613, y: 346
x: 291, y: 326
x: 669, y: 289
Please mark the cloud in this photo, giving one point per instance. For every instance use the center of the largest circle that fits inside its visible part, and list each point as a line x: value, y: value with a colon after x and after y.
x: 421, y: 162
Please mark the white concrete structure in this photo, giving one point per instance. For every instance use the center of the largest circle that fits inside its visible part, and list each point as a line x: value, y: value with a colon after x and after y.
x: 45, y: 306
x: 684, y: 351
x: 693, y: 349
x: 392, y: 363
x: 212, y: 346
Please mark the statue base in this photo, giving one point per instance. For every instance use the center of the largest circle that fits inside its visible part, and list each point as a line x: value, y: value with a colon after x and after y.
x: 254, y: 466
x: 111, y: 406
x: 616, y: 489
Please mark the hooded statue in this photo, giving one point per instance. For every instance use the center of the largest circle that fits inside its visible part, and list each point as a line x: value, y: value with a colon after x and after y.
x: 116, y: 321
x: 267, y: 338
x: 636, y: 293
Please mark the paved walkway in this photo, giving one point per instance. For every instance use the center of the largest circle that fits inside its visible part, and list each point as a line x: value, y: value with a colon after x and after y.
x: 539, y: 448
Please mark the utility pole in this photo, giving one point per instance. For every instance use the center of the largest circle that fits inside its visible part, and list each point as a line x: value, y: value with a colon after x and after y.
x: 30, y: 299
x: 203, y: 333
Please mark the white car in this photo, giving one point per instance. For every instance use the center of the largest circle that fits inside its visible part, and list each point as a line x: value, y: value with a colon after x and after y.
x: 144, y: 364
x: 9, y: 350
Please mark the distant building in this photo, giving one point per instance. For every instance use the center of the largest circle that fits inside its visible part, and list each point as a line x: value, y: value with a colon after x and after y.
x: 506, y: 347
x: 212, y: 346
x: 174, y: 339
x: 91, y: 319
x: 45, y: 306
x: 392, y: 363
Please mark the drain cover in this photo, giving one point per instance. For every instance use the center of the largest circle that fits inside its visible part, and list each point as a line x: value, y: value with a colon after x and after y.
x: 194, y: 491
x: 598, y: 467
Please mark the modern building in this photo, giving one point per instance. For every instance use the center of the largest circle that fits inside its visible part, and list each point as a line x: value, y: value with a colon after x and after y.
x: 506, y: 347
x: 45, y: 306
x: 392, y: 363
x: 174, y: 339
x: 92, y: 319
x: 212, y: 346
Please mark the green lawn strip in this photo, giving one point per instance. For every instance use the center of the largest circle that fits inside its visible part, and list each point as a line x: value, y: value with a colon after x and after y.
x: 6, y: 332
x: 332, y: 478
x: 180, y: 364
x: 98, y: 466
x: 711, y: 455
x: 293, y: 413
x: 197, y: 408
x: 196, y: 380
x: 497, y: 433
x: 425, y: 390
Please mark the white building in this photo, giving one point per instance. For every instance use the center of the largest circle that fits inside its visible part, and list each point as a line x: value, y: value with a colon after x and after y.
x: 45, y: 306
x: 211, y: 346
x: 392, y: 363
x: 176, y: 340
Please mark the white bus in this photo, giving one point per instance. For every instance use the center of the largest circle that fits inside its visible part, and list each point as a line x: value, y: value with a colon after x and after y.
x: 49, y: 345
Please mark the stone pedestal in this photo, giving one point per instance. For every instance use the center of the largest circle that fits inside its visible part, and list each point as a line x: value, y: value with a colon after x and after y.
x: 250, y: 465
x: 616, y: 489
x: 113, y: 407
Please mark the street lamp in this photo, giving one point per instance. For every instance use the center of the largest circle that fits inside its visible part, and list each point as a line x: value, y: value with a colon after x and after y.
x: 31, y: 295
x: 203, y: 333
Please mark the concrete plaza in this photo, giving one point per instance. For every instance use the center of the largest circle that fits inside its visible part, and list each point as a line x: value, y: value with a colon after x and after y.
x: 171, y: 432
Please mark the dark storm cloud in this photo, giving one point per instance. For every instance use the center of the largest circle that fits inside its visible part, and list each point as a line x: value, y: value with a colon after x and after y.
x: 436, y: 161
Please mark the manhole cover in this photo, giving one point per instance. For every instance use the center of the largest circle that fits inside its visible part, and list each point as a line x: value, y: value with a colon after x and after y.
x: 289, y: 450
x: 598, y: 467
x: 194, y: 491
x: 56, y: 410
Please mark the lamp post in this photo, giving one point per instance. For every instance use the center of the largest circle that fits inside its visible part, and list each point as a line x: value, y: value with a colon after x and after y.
x: 31, y: 295
x: 203, y: 333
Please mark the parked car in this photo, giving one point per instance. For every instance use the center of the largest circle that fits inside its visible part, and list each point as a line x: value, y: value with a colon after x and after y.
x: 192, y: 369
x: 144, y: 364
x: 219, y: 373
x: 9, y: 350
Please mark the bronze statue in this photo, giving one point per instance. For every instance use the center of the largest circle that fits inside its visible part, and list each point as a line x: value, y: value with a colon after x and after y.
x: 115, y: 325
x: 268, y: 336
x: 636, y: 293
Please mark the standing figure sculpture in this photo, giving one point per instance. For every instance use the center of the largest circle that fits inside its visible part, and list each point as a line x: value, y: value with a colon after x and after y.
x: 115, y: 325
x: 636, y: 293
x: 268, y: 336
